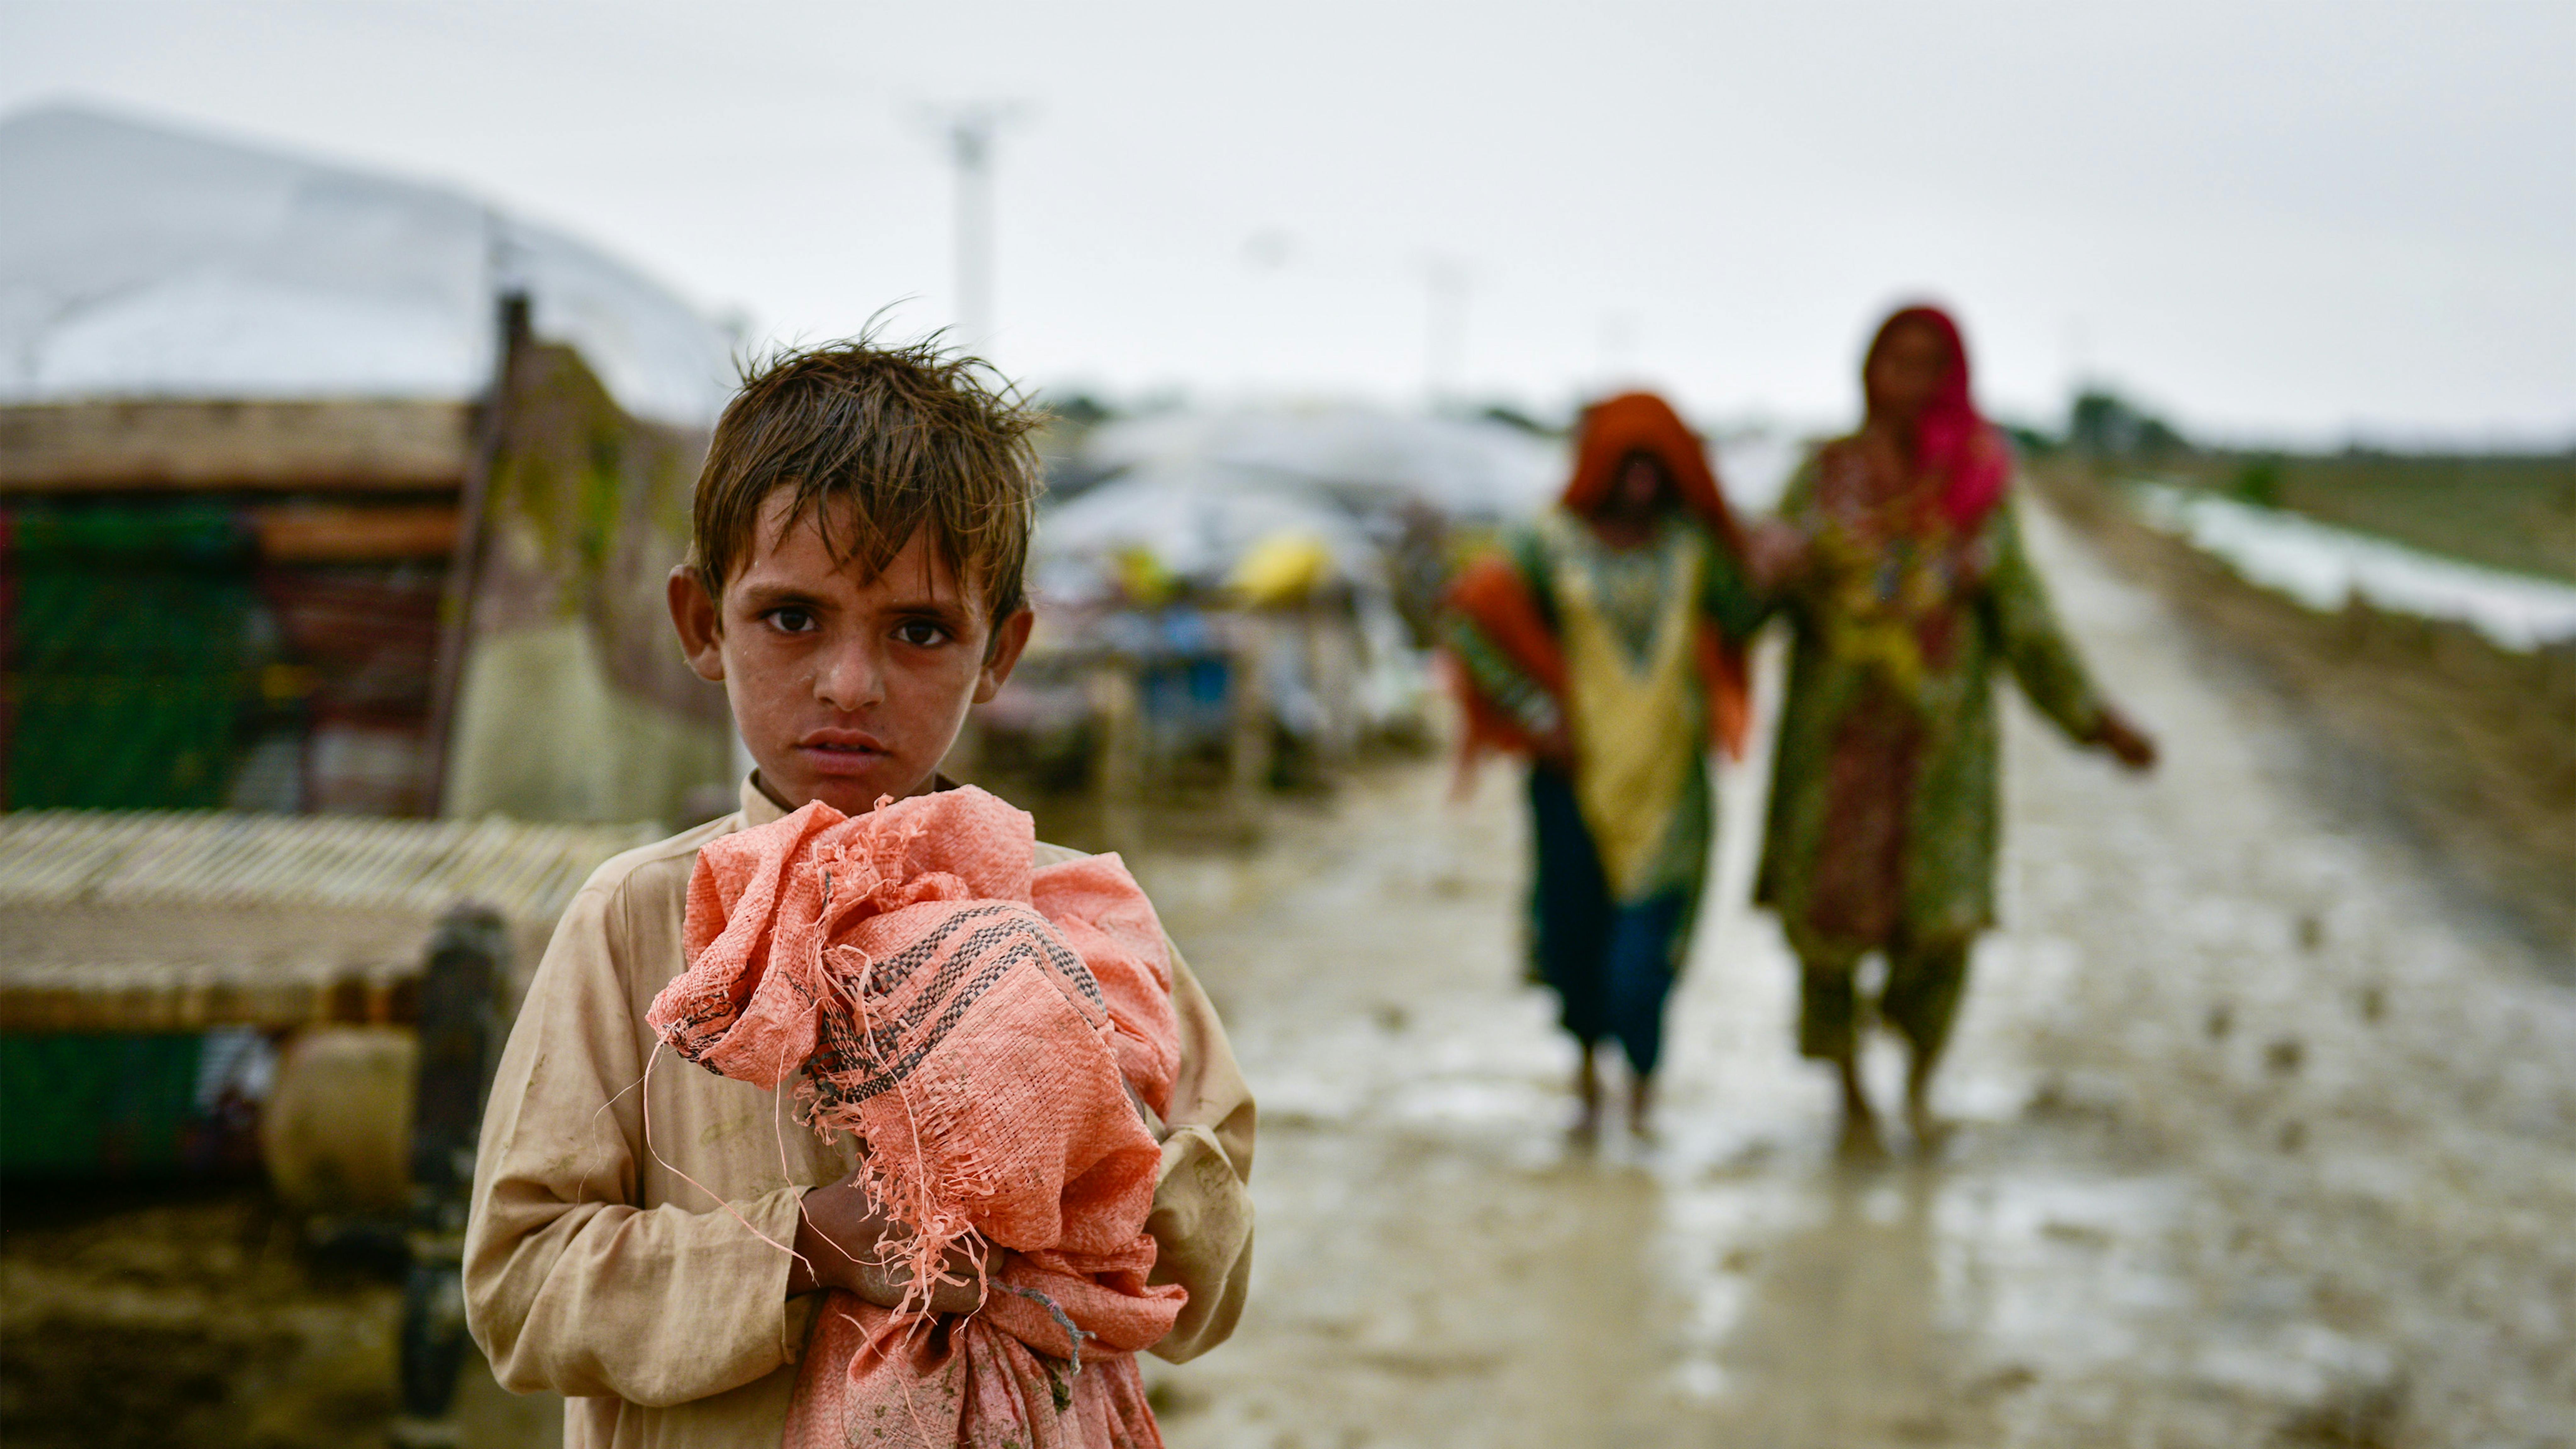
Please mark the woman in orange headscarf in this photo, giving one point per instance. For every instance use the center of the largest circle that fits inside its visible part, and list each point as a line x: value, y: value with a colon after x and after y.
x: 1603, y: 644
x: 1913, y: 592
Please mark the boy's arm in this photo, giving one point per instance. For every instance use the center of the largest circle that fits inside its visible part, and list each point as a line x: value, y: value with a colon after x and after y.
x: 1202, y: 1218
x: 568, y: 1286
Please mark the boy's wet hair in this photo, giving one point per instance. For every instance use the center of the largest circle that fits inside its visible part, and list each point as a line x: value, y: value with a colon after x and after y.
x: 876, y: 443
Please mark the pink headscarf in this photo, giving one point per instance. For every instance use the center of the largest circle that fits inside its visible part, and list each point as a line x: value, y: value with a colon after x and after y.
x: 1952, y: 438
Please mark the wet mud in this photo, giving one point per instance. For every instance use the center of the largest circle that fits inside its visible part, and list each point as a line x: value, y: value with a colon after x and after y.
x: 2258, y: 1138
x: 2255, y: 1136
x: 2457, y: 746
x: 206, y: 1316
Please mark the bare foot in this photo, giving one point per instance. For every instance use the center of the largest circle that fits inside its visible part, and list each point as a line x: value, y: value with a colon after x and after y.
x: 1860, y: 1139
x: 1587, y: 1094
x: 1585, y: 1131
x: 1641, y: 1103
x: 1928, y: 1130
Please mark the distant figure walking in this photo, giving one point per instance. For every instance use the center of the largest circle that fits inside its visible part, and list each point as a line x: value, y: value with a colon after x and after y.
x: 1912, y: 590
x: 1604, y: 644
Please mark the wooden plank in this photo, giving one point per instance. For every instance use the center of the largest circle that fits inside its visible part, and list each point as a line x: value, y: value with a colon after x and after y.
x: 321, y: 533
x: 148, y: 997
x: 289, y: 863
x: 185, y: 921
x: 359, y: 445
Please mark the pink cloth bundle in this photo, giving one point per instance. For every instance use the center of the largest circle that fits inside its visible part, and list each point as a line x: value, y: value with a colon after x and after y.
x: 979, y: 1025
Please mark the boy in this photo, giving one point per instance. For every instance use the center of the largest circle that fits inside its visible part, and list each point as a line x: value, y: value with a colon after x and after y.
x: 855, y: 582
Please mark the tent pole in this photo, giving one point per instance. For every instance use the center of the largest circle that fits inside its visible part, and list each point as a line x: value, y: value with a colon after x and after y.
x: 456, y: 612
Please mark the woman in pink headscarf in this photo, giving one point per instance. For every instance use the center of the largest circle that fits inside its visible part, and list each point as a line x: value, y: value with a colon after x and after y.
x: 1914, y: 591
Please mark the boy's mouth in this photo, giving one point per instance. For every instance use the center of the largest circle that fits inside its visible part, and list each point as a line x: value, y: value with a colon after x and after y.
x: 836, y: 751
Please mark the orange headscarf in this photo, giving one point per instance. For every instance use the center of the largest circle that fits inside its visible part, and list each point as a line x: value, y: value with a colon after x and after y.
x: 1492, y: 595
x: 1640, y: 422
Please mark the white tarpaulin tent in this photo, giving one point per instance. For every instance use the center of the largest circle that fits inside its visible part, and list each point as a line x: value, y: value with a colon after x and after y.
x: 1196, y: 522
x: 143, y: 262
x: 1198, y: 489
x: 1362, y: 456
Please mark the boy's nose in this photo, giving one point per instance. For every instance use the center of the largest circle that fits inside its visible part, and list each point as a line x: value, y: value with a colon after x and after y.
x: 851, y: 679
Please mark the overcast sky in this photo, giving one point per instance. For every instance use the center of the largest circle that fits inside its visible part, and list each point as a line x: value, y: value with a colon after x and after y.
x: 2281, y: 220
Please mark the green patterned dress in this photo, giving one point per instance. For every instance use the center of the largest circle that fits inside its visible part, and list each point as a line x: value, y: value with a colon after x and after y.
x: 1882, y: 829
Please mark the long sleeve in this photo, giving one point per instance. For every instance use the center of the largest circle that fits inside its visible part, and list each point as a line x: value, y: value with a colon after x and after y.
x: 1498, y: 679
x: 570, y: 1286
x: 2043, y: 661
x: 1493, y: 671
x: 1796, y: 508
x: 1726, y: 595
x: 1202, y: 1218
x: 1797, y: 499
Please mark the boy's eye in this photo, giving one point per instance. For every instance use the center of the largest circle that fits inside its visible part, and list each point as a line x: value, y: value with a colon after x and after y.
x: 793, y: 620
x: 920, y: 633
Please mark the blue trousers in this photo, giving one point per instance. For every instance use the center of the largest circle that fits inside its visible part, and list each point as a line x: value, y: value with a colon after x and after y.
x: 1610, y: 964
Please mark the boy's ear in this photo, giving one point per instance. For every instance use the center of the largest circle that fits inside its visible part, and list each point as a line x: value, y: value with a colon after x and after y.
x: 701, y: 626
x: 1003, y: 654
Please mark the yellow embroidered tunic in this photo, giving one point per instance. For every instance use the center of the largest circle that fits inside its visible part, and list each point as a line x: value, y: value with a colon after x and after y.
x: 1636, y: 708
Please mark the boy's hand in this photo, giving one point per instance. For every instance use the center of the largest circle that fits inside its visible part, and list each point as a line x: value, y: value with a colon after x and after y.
x: 837, y: 1241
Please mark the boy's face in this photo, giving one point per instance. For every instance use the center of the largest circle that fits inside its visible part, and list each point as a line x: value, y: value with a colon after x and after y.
x: 845, y: 688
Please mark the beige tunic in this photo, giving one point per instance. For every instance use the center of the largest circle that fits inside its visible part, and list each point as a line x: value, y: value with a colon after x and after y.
x: 629, y: 1207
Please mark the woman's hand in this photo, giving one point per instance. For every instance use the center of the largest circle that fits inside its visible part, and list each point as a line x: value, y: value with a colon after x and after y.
x: 1775, y: 556
x: 2130, y: 745
x: 1555, y: 748
x: 839, y: 1238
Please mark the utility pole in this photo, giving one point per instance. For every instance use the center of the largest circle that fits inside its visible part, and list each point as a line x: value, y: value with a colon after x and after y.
x: 969, y: 131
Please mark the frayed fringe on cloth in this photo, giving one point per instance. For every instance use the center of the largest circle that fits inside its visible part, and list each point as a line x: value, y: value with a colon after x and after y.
x: 978, y: 1025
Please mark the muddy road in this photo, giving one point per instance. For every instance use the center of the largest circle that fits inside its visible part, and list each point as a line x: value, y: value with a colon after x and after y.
x: 2261, y: 1137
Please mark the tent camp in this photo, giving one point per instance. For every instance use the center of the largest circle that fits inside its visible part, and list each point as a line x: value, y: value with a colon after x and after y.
x: 330, y: 491
x: 322, y: 494
x: 1253, y: 571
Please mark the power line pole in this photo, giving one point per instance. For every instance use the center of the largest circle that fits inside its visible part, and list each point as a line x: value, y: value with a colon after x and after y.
x: 969, y: 131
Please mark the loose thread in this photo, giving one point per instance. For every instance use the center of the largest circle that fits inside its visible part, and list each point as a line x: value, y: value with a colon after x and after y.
x: 656, y: 1154
x: 900, y: 1176
x: 1073, y: 1336
x: 583, y: 1191
x: 778, y: 1075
